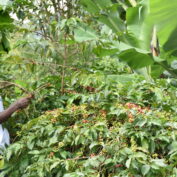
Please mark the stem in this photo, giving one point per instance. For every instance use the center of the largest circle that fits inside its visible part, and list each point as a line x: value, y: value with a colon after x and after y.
x: 133, y: 3
x: 51, y: 64
x: 168, y: 69
x: 63, y: 69
x: 7, y: 83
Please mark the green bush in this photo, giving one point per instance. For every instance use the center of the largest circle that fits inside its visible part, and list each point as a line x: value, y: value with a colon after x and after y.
x: 117, y: 138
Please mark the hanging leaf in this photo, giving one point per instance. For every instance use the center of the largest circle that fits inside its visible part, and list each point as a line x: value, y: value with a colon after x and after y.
x: 5, y: 20
x: 145, y: 169
x: 5, y: 42
x: 101, y: 52
x: 94, y: 6
x: 135, y: 59
x: 128, y: 162
x: 84, y: 33
x: 163, y: 15
x: 112, y: 20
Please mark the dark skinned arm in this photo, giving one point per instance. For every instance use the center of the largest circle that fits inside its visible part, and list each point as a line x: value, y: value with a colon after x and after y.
x: 19, y: 104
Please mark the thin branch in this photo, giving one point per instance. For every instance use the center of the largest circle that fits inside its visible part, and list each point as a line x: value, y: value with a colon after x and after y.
x: 133, y: 3
x: 51, y: 64
x: 44, y: 35
x: 14, y: 84
x: 41, y: 87
x: 63, y: 70
x: 78, y: 158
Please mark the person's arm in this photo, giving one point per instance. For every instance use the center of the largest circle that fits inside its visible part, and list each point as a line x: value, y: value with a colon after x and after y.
x: 19, y: 104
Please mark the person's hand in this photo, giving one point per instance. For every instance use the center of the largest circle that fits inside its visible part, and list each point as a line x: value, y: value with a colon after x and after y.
x: 23, y: 102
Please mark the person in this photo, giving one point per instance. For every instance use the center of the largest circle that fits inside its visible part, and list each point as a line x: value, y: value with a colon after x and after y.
x: 5, y: 115
x: 4, y: 134
x: 19, y: 104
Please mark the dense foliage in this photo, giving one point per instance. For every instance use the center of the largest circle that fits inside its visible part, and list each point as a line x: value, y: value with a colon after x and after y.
x: 105, y: 101
x: 122, y: 128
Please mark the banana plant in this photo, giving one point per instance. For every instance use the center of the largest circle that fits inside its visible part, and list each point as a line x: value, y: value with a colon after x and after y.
x: 136, y: 35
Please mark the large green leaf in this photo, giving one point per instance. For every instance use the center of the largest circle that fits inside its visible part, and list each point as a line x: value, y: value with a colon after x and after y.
x: 101, y: 52
x: 122, y: 46
x: 89, y: 5
x: 142, y: 18
x: 5, y: 20
x: 156, y: 70
x: 135, y: 17
x: 124, y: 78
x: 145, y: 169
x: 112, y: 20
x: 5, y: 42
x: 106, y: 12
x: 163, y: 14
x: 171, y: 43
x: 94, y: 6
x: 136, y: 59
x: 134, y: 44
x: 139, y: 25
x: 84, y: 33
